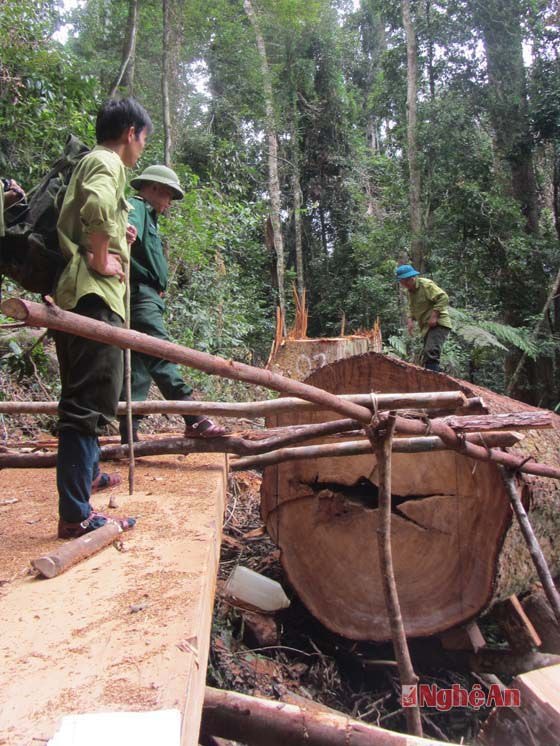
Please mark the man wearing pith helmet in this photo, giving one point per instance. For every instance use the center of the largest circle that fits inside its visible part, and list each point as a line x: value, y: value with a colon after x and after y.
x: 157, y: 187
x: 428, y: 306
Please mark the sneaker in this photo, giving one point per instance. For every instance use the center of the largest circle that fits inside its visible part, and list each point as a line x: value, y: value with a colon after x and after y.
x: 95, y: 520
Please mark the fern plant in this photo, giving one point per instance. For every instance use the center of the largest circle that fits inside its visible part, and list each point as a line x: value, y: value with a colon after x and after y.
x: 481, y: 333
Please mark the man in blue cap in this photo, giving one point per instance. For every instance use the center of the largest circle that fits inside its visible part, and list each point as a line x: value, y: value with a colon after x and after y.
x: 428, y: 306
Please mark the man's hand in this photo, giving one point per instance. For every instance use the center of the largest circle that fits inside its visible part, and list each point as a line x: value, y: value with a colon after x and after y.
x: 410, y: 326
x: 12, y: 192
x: 131, y: 234
x: 111, y: 267
x: 433, y: 320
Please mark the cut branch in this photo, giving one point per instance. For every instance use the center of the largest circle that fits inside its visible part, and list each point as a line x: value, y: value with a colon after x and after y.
x: 359, y: 447
x: 256, y: 721
x: 435, y: 400
x: 381, y: 437
x: 532, y: 544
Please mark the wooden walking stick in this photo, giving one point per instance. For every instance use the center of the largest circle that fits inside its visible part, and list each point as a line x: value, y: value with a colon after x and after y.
x: 128, y: 387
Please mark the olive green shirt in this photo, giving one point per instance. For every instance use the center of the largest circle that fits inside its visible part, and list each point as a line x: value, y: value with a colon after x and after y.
x: 94, y: 203
x: 428, y: 297
x: 148, y: 264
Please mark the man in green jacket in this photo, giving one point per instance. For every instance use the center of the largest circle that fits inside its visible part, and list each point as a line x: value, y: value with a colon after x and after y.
x: 94, y: 236
x: 428, y: 306
x: 157, y: 186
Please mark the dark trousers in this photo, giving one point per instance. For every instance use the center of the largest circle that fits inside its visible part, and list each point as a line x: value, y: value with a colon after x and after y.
x: 146, y: 315
x: 433, y: 343
x: 91, y: 378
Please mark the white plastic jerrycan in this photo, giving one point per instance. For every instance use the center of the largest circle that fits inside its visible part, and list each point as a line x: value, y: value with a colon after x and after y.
x: 253, y: 588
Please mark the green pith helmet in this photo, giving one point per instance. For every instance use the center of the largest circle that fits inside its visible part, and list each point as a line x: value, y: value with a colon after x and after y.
x: 161, y: 175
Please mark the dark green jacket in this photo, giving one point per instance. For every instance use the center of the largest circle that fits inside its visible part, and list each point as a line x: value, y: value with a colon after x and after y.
x: 148, y: 265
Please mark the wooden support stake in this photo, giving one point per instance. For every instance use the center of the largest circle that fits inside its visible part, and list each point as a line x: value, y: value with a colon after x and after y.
x: 74, y: 551
x: 533, y: 545
x: 381, y: 437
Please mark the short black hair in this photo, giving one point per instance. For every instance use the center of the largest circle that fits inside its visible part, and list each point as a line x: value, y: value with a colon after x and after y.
x: 117, y: 115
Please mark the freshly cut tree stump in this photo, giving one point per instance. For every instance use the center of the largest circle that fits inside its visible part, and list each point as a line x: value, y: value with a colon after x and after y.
x: 298, y: 358
x: 455, y: 549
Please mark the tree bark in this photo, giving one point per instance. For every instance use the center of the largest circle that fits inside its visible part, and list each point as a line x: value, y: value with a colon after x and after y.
x: 257, y: 721
x: 272, y: 138
x: 417, y: 249
x: 125, y: 76
x: 165, y: 77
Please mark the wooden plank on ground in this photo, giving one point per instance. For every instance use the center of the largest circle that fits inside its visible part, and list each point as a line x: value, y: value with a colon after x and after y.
x: 123, y: 630
x: 536, y: 720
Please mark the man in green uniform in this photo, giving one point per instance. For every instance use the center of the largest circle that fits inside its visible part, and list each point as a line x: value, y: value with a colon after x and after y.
x: 428, y: 306
x: 157, y: 186
x: 93, y: 235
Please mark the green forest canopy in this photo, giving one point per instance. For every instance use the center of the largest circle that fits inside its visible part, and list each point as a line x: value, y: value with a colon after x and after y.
x: 471, y: 192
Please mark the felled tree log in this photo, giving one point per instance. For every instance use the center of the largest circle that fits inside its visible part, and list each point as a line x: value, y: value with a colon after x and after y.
x: 455, y: 550
x: 264, y: 722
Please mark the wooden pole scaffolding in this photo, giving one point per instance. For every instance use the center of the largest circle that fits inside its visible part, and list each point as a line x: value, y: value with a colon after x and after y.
x: 358, y: 447
x: 35, y: 314
x: 532, y: 543
x: 381, y: 436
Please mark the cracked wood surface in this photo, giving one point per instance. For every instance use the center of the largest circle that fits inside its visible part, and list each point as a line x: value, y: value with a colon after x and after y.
x: 455, y: 552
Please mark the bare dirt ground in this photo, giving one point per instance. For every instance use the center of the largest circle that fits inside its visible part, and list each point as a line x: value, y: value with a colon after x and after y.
x: 126, y: 629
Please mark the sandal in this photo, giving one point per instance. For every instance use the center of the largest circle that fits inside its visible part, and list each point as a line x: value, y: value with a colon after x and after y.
x: 204, y: 428
x: 105, y: 481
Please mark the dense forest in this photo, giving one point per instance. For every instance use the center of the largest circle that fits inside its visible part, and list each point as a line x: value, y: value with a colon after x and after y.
x: 321, y: 143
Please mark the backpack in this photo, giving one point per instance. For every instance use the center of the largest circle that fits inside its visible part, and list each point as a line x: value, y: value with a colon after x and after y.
x: 29, y: 250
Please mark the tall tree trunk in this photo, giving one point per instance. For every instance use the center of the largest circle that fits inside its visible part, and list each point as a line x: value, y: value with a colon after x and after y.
x: 297, y: 198
x: 125, y: 76
x: 500, y: 22
x: 273, y: 180
x: 165, y: 77
x: 417, y: 249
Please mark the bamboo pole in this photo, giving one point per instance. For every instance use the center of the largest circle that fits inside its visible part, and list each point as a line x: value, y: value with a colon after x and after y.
x: 35, y: 314
x: 381, y: 437
x: 361, y: 447
x: 535, y: 550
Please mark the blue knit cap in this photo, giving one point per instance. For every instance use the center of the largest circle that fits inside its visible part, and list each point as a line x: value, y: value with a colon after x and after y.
x: 404, y: 271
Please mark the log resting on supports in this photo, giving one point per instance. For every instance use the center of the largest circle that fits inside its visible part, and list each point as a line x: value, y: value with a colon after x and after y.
x: 453, y: 542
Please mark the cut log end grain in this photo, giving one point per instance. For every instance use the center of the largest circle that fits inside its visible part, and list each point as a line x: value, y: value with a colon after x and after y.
x: 453, y: 549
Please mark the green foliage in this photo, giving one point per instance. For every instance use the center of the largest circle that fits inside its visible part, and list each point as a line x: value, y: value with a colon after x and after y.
x: 43, y: 97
